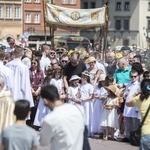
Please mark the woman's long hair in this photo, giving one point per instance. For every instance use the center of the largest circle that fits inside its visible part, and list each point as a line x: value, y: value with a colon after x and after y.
x: 38, y: 65
x: 145, y: 89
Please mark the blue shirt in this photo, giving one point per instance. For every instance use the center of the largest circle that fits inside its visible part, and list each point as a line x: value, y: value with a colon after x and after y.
x: 122, y: 76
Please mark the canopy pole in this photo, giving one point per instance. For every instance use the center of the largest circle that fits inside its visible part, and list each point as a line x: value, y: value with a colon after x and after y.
x: 44, y: 22
x: 105, y: 30
x: 52, y: 30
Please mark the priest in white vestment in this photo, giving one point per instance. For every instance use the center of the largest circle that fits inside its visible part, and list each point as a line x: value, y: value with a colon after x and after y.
x: 22, y: 87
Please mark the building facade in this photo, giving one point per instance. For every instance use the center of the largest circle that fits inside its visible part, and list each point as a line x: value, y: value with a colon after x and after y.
x: 10, y: 19
x: 33, y: 15
x: 129, y: 22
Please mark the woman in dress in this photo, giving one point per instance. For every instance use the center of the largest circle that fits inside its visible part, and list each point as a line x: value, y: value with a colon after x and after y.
x: 87, y: 90
x: 100, y: 93
x: 109, y: 116
x: 36, y: 79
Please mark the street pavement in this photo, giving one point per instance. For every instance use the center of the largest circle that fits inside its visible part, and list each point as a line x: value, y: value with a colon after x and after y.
x: 97, y: 144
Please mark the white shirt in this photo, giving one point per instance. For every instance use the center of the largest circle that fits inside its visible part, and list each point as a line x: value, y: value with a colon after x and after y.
x: 22, y: 88
x: 63, y: 128
x: 44, y: 62
x: 100, y: 66
x: 7, y: 74
x: 58, y: 83
x: 130, y: 90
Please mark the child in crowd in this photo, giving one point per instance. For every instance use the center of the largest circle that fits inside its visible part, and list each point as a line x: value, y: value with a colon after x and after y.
x: 100, y: 93
x: 87, y: 90
x: 109, y: 116
x: 19, y: 136
x: 73, y: 90
x: 57, y: 81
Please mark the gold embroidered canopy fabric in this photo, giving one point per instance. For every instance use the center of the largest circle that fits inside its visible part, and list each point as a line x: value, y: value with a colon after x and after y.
x: 74, y: 18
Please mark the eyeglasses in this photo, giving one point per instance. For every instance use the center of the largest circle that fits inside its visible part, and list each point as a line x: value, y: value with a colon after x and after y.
x: 133, y: 76
x: 65, y: 61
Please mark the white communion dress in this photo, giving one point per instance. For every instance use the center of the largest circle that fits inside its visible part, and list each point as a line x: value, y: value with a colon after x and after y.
x: 110, y: 117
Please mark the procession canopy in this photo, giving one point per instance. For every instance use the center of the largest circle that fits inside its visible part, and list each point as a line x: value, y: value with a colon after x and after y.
x: 66, y: 18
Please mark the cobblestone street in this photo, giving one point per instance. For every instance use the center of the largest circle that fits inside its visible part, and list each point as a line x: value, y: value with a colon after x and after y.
x: 106, y: 145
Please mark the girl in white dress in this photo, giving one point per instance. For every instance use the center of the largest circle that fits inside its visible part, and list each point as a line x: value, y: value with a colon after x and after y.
x: 57, y: 81
x: 100, y: 93
x: 73, y: 90
x: 87, y: 90
x: 109, y: 116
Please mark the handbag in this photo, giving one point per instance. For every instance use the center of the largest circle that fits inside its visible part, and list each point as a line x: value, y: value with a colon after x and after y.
x: 135, y: 136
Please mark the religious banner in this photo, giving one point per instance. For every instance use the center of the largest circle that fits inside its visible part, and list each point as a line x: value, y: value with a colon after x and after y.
x: 74, y: 18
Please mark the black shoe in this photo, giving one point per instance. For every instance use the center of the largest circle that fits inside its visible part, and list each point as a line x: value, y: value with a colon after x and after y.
x: 125, y: 140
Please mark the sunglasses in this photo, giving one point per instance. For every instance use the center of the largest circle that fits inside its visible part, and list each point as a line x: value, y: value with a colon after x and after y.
x: 133, y: 76
x: 53, y: 53
x: 65, y: 61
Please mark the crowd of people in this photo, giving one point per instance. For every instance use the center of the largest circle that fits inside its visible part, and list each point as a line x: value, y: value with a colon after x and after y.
x: 112, y: 94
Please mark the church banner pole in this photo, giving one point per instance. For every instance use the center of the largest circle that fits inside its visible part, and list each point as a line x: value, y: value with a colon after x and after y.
x: 44, y: 22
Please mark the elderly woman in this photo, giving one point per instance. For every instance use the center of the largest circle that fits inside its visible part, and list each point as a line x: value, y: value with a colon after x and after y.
x: 7, y: 105
x: 91, y: 69
x: 142, y: 101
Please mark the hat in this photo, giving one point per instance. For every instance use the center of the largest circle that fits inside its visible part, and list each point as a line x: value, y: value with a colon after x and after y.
x: 74, y: 77
x: 112, y: 88
x: 102, y: 77
x: 125, y: 48
x: 90, y: 59
x: 70, y: 52
x: 86, y: 73
x: 11, y: 41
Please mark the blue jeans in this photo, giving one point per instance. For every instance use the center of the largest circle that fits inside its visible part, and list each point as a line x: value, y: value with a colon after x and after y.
x: 145, y: 142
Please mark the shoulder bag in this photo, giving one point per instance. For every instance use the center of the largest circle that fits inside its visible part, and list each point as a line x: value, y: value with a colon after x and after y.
x: 135, y: 136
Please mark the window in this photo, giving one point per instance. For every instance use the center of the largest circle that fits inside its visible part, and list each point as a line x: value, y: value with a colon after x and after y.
x: 17, y: 12
x: 72, y: 1
x: 127, y: 6
x: 85, y: 5
x: 118, y: 6
x: 27, y: 1
x: 148, y: 24
x: 149, y: 6
x: 92, y: 4
x: 126, y: 24
x: 1, y: 12
x: 28, y: 18
x: 8, y: 12
x: 36, y: 1
x: 51, y: 1
x: 64, y: 1
x: 118, y: 24
x: 36, y: 18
